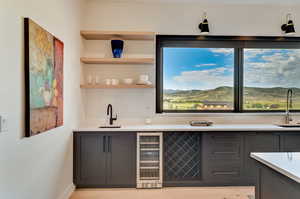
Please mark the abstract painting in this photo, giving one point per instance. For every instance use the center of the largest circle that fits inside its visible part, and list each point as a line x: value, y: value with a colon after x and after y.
x: 44, y: 57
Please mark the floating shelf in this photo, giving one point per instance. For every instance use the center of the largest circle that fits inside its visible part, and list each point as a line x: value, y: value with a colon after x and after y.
x: 125, y: 35
x: 87, y: 60
x: 100, y: 86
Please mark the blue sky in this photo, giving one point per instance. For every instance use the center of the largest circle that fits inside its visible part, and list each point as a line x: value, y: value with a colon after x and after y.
x: 208, y: 68
x: 197, y: 68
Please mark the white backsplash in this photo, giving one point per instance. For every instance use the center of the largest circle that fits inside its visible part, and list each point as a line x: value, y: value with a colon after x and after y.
x: 133, y: 106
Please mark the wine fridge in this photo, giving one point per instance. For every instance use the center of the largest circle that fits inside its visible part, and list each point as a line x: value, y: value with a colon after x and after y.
x: 149, y: 160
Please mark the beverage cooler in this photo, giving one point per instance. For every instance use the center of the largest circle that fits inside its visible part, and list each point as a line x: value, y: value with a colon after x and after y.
x: 149, y: 160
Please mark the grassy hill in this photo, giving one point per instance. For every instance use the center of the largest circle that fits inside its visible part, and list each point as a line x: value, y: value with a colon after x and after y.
x: 254, y: 98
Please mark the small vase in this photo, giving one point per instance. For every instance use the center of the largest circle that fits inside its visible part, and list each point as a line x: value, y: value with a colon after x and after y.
x: 117, y: 48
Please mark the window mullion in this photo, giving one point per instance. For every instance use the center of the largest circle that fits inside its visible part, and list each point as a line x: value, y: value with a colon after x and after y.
x: 241, y: 79
x: 238, y: 80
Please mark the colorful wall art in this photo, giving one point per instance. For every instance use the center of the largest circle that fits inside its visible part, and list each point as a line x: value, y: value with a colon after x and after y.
x: 44, y: 55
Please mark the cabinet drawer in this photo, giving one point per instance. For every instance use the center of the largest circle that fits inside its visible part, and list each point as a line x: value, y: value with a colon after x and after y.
x: 223, y: 146
x: 224, y: 173
x: 223, y: 137
x: 225, y: 151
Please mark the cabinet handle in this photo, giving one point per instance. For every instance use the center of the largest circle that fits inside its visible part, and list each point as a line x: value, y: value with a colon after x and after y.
x: 104, y: 144
x: 224, y: 152
x: 225, y: 173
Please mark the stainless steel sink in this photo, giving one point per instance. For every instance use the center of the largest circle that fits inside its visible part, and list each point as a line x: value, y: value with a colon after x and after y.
x: 110, y: 127
x: 289, y: 125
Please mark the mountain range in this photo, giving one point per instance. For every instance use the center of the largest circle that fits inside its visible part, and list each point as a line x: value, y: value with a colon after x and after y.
x: 225, y: 93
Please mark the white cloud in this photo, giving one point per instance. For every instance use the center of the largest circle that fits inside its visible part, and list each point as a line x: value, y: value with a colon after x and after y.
x: 204, y: 79
x: 201, y: 65
x: 272, y: 68
x: 252, y: 53
x: 225, y: 51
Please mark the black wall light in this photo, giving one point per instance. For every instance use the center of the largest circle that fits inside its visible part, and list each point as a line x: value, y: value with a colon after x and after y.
x: 288, y: 28
x: 203, y: 26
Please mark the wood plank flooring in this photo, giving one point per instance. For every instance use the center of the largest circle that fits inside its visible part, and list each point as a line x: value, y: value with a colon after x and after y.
x: 167, y: 193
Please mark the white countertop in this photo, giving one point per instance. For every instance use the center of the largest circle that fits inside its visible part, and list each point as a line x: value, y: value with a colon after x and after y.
x: 177, y: 127
x: 287, y: 164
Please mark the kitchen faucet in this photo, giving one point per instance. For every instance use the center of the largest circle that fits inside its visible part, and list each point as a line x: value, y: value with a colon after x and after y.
x: 289, y: 105
x: 110, y: 113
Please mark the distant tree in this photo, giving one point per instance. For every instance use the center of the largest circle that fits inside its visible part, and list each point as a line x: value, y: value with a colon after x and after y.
x: 257, y: 105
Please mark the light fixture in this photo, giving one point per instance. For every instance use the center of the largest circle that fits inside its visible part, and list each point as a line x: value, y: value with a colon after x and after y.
x: 203, y: 26
x: 288, y: 28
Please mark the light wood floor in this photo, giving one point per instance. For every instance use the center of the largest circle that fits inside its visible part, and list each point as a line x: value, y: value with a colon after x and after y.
x: 167, y: 193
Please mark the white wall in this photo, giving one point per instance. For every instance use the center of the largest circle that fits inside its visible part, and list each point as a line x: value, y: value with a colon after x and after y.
x: 39, y: 167
x: 167, y: 18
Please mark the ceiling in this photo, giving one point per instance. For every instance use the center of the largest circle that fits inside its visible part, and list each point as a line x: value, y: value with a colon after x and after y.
x: 279, y: 2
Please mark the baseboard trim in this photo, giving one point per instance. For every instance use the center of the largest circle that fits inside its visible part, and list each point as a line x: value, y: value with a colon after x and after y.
x: 68, y: 192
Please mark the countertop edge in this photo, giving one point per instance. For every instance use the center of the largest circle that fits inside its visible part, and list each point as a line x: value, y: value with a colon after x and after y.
x: 274, y: 167
x: 166, y: 128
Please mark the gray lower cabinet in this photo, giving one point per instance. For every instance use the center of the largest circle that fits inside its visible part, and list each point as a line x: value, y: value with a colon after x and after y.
x: 121, y: 160
x: 290, y: 142
x: 90, y: 160
x: 190, y: 158
x: 104, y: 159
x: 222, y: 158
x: 257, y: 142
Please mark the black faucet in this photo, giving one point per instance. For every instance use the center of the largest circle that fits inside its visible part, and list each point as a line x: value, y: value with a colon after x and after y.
x: 289, y: 105
x: 110, y: 113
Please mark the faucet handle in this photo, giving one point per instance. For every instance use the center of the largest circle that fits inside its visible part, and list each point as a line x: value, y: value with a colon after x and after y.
x: 115, y: 118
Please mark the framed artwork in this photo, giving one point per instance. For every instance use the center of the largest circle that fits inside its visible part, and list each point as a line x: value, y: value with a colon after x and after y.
x: 44, y: 57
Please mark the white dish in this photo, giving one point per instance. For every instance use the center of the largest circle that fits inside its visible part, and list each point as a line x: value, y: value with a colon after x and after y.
x: 127, y: 81
x: 114, y: 82
x: 144, y: 78
x: 108, y: 81
x: 144, y: 82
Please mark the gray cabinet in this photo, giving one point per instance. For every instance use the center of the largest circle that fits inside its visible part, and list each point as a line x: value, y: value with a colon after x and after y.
x: 90, y: 160
x: 104, y: 159
x: 121, y: 160
x: 108, y: 159
x: 222, y: 158
x: 290, y: 142
x: 257, y: 142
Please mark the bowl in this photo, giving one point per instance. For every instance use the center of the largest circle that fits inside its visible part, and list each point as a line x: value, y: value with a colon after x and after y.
x: 127, y: 81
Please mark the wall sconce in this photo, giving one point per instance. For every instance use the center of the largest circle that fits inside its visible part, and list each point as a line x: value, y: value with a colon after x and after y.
x: 203, y: 26
x: 288, y: 28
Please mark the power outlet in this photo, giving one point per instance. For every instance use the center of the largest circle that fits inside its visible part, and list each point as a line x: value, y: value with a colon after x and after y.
x: 3, y: 124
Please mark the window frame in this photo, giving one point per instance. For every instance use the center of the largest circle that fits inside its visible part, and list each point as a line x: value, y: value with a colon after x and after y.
x: 238, y: 43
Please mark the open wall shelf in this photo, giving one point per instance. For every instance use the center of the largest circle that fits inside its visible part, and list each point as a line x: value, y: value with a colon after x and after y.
x: 101, y: 86
x: 109, y: 35
x: 88, y: 60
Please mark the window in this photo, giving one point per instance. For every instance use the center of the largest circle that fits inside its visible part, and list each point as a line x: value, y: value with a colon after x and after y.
x: 268, y: 73
x: 226, y: 74
x: 198, y: 78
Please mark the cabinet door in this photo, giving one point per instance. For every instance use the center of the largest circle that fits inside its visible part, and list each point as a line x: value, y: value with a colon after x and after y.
x: 121, y: 160
x: 90, y: 163
x: 290, y: 142
x: 222, y: 158
x: 257, y: 142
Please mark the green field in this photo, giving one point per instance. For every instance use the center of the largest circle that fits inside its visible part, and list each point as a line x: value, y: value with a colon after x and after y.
x: 221, y: 98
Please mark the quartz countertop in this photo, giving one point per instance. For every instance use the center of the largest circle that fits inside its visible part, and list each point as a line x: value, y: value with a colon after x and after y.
x: 287, y: 164
x: 178, y: 127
